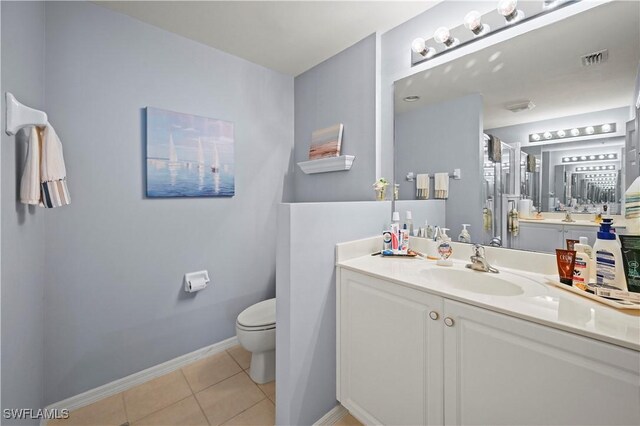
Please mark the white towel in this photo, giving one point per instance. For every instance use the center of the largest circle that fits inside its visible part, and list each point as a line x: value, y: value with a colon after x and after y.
x: 30, y: 182
x: 441, y: 185
x: 44, y: 177
x: 422, y: 186
x: 53, y: 173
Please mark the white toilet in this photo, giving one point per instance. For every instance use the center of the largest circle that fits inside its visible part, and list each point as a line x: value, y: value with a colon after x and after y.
x: 256, y: 331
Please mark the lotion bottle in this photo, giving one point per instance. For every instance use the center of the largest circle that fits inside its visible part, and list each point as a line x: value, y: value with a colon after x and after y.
x: 609, y: 267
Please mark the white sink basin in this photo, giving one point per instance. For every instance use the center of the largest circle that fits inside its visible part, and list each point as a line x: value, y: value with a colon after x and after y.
x: 503, y: 284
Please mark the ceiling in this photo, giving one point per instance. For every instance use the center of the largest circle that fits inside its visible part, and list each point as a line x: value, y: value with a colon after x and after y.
x: 287, y: 36
x: 543, y: 66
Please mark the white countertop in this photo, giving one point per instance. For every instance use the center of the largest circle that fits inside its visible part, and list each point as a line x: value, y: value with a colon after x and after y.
x: 541, y: 303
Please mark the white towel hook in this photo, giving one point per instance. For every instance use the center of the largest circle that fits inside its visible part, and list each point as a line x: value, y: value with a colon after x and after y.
x: 19, y: 116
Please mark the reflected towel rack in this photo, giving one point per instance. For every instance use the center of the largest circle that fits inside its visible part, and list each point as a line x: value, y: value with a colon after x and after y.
x: 20, y: 115
x: 456, y: 174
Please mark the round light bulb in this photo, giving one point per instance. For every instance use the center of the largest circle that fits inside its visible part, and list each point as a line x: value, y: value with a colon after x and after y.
x: 561, y: 133
x: 592, y: 157
x: 574, y: 158
x: 583, y: 158
x: 418, y: 45
x: 473, y: 20
x: 507, y: 7
x: 547, y: 135
x: 535, y: 137
x: 597, y: 167
x: 589, y: 130
x: 606, y: 128
x: 442, y: 34
x: 611, y: 167
x: 575, y: 132
x: 611, y: 156
x: 600, y: 157
x: 566, y: 159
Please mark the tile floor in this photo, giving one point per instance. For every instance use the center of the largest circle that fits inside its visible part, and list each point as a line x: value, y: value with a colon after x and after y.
x: 215, y: 390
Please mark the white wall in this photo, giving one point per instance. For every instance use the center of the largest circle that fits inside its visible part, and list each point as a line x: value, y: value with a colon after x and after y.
x: 115, y: 259
x: 306, y: 301
x: 23, y: 272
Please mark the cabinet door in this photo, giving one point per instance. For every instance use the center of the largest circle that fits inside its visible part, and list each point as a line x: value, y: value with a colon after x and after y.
x: 544, y: 238
x: 575, y: 232
x: 500, y: 370
x: 390, y: 352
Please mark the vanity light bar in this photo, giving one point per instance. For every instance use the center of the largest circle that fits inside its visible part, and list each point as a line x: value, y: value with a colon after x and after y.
x: 598, y: 129
x: 590, y: 158
x: 596, y: 168
x: 475, y: 26
x: 597, y: 175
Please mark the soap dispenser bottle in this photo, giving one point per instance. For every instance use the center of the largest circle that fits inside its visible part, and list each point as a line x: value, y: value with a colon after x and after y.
x: 464, y: 236
x: 609, y: 267
x: 444, y: 249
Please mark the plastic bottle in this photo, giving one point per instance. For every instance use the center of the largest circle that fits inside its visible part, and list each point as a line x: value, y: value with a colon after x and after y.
x: 444, y: 249
x: 409, y: 222
x: 582, y: 266
x: 464, y: 236
x: 583, y: 245
x: 609, y: 267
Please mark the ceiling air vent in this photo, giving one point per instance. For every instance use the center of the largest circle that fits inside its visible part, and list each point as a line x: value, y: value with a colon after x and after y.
x: 595, y: 58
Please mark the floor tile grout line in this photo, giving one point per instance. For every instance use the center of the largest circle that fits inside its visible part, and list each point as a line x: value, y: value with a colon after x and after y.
x: 124, y: 407
x: 160, y: 409
x: 233, y: 358
x: 246, y: 409
x: 187, y: 380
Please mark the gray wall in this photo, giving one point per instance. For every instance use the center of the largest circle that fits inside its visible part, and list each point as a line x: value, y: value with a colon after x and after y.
x: 341, y: 89
x: 115, y: 260
x: 23, y: 273
x: 306, y: 304
x: 440, y: 138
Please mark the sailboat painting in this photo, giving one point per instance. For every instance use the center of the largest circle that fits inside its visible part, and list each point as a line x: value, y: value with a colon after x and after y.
x: 189, y: 156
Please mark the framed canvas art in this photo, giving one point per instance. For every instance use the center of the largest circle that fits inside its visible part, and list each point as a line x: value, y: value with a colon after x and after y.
x: 326, y: 142
x: 188, y: 155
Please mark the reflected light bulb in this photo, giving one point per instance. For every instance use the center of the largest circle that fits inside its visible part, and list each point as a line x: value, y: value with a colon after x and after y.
x: 547, y: 135
x: 611, y: 156
x: 574, y: 158
x: 561, y: 133
x: 606, y: 128
x: 575, y: 132
x: 535, y: 137
x: 589, y: 130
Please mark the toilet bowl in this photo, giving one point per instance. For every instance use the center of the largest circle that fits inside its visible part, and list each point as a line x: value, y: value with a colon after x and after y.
x: 256, y: 331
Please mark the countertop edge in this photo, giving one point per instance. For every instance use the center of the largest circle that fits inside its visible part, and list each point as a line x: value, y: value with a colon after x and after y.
x: 514, y: 314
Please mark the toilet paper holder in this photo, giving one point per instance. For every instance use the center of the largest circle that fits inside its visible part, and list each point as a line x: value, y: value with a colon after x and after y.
x: 196, y: 281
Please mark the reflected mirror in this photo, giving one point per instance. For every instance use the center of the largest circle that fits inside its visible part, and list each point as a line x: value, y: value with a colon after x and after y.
x: 540, y: 127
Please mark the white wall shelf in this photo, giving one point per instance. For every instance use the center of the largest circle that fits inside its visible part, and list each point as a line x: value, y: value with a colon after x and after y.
x: 324, y: 165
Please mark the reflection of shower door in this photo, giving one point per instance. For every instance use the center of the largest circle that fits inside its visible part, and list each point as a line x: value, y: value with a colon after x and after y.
x: 500, y: 180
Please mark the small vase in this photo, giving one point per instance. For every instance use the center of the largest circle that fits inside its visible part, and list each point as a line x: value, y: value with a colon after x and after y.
x: 380, y: 194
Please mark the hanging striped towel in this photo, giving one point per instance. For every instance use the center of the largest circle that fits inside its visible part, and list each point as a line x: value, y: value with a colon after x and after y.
x: 53, y: 173
x: 422, y: 186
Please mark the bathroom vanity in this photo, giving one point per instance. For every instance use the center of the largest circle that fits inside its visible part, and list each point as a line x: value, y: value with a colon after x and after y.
x: 423, y: 344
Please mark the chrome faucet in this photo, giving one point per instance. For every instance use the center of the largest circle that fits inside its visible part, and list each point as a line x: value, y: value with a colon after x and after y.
x: 479, y: 262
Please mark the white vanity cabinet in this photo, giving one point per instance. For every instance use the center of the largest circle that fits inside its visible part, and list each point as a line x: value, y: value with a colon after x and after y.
x: 406, y: 356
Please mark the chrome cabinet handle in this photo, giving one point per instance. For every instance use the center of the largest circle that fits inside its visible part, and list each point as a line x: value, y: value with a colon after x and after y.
x: 434, y: 315
x: 448, y: 322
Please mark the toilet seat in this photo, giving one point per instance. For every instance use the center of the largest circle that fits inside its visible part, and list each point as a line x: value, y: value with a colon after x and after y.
x: 261, y: 316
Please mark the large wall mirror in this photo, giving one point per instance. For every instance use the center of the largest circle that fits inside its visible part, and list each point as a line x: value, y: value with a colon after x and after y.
x: 542, y: 122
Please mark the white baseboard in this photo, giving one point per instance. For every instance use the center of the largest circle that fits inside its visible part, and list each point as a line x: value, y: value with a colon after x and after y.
x: 120, y: 385
x: 333, y: 416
